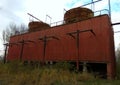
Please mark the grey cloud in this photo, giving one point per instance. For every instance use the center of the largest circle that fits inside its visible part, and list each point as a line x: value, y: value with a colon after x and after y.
x: 8, y: 9
x: 13, y: 5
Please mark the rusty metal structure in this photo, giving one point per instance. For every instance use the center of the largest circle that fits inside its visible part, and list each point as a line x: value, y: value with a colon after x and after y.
x: 37, y: 26
x: 84, y: 39
x: 77, y: 14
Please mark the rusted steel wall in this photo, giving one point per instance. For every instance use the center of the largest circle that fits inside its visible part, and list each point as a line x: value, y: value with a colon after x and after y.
x: 93, y: 48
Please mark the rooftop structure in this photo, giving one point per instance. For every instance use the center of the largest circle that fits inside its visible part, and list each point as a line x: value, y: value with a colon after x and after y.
x: 83, y: 38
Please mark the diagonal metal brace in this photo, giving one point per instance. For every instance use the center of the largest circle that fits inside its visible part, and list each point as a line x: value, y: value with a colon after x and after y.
x: 70, y: 34
x: 30, y: 41
x: 55, y: 38
x: 48, y: 37
x: 79, y: 31
x: 9, y: 44
x: 93, y: 32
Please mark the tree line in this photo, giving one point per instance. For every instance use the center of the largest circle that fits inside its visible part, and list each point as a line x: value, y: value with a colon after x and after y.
x: 13, y: 29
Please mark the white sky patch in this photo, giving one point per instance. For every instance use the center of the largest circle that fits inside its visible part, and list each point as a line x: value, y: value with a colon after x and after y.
x: 116, y: 36
x: 115, y: 16
x: 53, y: 8
x: 101, y: 5
x: 74, y: 3
x: 16, y: 11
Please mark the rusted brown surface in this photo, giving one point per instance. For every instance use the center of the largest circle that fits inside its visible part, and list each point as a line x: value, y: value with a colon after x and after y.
x: 36, y: 26
x: 77, y: 14
x: 92, y: 48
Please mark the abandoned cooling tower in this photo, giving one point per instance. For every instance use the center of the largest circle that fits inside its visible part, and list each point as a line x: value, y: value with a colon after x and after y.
x: 77, y: 14
x: 37, y: 26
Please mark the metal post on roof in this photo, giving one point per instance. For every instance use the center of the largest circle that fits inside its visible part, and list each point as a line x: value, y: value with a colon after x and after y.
x: 109, y: 9
x: 5, y: 54
x: 92, y: 5
x: 48, y: 17
x: 64, y: 10
x: 34, y: 17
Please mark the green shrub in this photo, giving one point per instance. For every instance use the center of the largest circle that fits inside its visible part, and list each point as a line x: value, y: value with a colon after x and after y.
x: 63, y: 65
x: 118, y: 69
x: 16, y: 73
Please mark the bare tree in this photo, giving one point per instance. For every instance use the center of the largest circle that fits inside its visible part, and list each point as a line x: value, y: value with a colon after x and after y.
x: 11, y: 30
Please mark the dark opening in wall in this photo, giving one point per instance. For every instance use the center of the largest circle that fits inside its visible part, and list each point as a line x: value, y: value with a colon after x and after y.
x: 98, y: 69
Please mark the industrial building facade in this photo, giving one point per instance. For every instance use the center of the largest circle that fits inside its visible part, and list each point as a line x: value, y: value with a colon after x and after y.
x: 88, y: 41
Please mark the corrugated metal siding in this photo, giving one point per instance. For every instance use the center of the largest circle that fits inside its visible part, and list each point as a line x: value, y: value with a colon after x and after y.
x: 92, y: 48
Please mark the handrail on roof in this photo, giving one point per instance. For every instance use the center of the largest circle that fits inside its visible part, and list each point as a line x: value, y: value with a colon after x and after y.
x: 63, y: 22
x: 90, y: 3
x: 96, y: 13
x: 100, y: 12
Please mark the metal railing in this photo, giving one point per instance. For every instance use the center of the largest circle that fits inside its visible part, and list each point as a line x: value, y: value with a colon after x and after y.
x: 96, y: 13
x: 57, y: 23
x: 101, y: 12
x: 62, y: 22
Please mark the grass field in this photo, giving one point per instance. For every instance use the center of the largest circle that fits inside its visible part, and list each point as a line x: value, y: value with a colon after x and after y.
x: 18, y: 74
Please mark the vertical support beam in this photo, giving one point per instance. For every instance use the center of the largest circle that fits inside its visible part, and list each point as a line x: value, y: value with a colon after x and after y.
x: 22, y: 47
x: 109, y: 9
x: 44, y: 39
x: 78, y: 42
x: 44, y: 49
x: 5, y: 54
x: 77, y: 45
x: 109, y: 71
x: 84, y: 67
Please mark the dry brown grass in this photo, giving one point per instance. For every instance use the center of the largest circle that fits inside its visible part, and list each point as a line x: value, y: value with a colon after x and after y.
x: 18, y: 74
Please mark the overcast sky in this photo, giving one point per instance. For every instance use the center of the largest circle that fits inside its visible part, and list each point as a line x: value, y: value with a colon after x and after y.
x: 16, y: 11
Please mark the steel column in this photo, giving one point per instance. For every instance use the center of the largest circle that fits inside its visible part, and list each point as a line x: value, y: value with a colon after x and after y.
x: 6, y: 45
x: 44, y: 39
x: 22, y: 47
x: 77, y: 32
